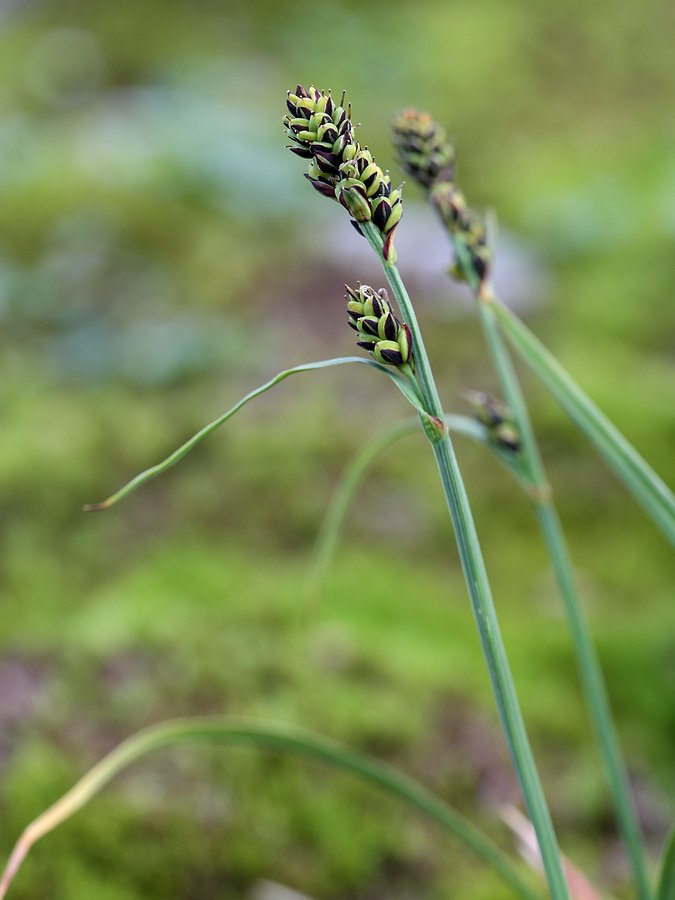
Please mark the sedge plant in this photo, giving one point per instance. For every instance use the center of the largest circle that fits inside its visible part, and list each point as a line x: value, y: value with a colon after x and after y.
x: 428, y: 156
x: 340, y: 168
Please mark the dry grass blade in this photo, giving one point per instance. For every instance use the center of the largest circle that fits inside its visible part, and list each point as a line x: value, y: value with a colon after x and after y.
x: 580, y: 887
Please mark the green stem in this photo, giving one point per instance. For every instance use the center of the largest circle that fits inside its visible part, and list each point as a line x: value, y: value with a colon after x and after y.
x: 347, y: 486
x: 645, y: 485
x: 484, y: 611
x: 665, y: 887
x: 330, y: 527
x: 587, y: 660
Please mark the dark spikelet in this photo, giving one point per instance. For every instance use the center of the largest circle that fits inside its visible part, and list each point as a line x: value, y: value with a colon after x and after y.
x: 390, y: 327
x: 393, y: 357
x: 321, y: 186
x: 496, y: 416
x: 300, y: 151
x: 423, y: 148
x: 371, y: 316
x: 381, y: 214
x: 322, y: 131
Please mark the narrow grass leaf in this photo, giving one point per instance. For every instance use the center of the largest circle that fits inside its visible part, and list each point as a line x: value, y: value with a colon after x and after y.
x: 354, y: 473
x: 267, y: 737
x: 406, y: 388
x: 665, y: 887
x: 344, y: 493
x: 639, y: 478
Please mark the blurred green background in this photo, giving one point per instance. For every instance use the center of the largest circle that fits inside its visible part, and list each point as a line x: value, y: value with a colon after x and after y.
x: 160, y: 255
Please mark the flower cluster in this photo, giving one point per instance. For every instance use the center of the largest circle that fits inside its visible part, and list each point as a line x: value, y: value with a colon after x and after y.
x: 339, y: 167
x: 371, y: 316
x: 423, y: 147
x: 427, y: 155
x: 321, y: 131
x: 497, y: 418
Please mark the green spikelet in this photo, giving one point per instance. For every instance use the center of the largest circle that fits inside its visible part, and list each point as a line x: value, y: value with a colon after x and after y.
x: 450, y: 204
x: 322, y: 132
x: 497, y: 418
x: 380, y: 332
x: 427, y: 155
x: 361, y: 176
x: 472, y: 232
x: 423, y: 148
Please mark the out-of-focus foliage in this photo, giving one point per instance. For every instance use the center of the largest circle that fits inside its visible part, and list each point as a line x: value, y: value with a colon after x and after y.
x: 159, y: 255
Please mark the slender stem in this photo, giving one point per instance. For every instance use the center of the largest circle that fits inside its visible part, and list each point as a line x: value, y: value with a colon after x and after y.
x: 596, y: 696
x: 647, y: 488
x: 484, y: 611
x: 665, y: 887
x: 337, y: 510
x: 587, y: 660
x: 353, y: 475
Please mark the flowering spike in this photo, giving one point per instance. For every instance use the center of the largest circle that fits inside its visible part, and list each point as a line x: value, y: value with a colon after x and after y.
x: 429, y: 157
x: 423, y: 148
x: 497, y: 418
x: 339, y: 167
x: 381, y: 333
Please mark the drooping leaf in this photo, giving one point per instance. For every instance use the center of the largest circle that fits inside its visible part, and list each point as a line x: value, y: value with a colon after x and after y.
x: 405, y: 386
x: 267, y: 737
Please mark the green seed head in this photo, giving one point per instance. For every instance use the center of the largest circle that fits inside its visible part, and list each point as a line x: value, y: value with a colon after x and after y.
x: 379, y: 331
x: 351, y: 193
x: 339, y: 167
x: 497, y: 418
x: 364, y: 301
x: 320, y: 128
x: 423, y: 148
x: 472, y: 232
x: 449, y: 203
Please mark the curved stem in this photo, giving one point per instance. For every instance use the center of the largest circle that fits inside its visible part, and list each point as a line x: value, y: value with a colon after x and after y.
x: 475, y: 575
x: 587, y: 659
x: 351, y: 478
x: 339, y: 504
x: 408, y: 387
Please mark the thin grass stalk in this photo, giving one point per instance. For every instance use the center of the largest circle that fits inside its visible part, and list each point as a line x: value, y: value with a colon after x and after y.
x: 647, y: 488
x: 343, y: 495
x: 271, y: 737
x: 484, y: 611
x: 665, y: 886
x: 593, y: 684
x: 331, y: 525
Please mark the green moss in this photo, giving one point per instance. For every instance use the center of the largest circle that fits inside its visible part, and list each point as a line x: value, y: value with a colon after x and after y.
x: 157, y: 260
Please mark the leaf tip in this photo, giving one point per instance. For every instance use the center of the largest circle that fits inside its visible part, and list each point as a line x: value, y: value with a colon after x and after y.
x: 97, y: 507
